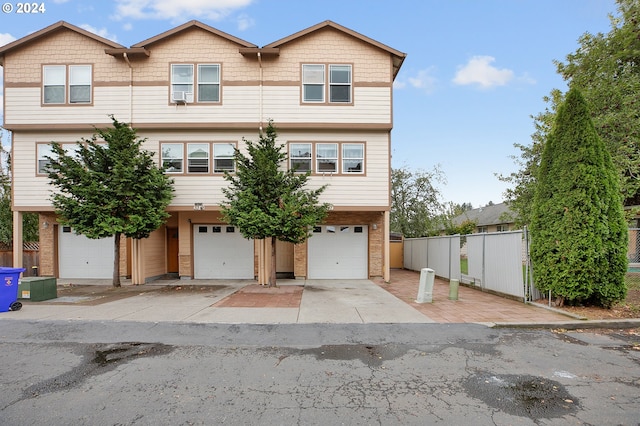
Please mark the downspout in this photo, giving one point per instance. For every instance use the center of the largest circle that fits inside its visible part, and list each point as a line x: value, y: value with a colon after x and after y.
x: 137, y: 277
x: 260, y: 95
x: 126, y: 58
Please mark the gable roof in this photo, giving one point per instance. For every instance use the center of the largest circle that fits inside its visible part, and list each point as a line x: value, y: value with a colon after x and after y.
x: 398, y: 57
x: 47, y: 31
x: 187, y: 26
x: 487, y: 215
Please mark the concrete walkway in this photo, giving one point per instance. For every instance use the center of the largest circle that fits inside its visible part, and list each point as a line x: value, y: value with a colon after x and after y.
x: 295, y: 301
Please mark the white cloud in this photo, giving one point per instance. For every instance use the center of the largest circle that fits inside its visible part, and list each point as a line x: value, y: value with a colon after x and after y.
x: 6, y: 38
x: 102, y: 32
x: 423, y: 80
x: 177, y: 10
x: 245, y: 22
x: 480, y: 71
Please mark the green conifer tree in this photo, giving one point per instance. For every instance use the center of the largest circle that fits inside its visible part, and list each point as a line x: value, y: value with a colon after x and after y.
x: 266, y: 201
x: 110, y: 187
x: 578, y: 231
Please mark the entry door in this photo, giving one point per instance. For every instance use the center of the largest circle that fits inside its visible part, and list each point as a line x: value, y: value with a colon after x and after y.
x: 284, y: 259
x: 172, y: 251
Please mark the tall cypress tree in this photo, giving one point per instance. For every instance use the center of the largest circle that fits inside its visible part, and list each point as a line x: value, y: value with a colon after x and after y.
x: 578, y: 231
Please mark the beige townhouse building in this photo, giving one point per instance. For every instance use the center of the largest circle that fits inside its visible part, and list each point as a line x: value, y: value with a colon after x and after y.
x: 194, y: 93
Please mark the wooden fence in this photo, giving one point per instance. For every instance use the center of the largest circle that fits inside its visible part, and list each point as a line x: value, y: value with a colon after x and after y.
x: 31, y: 258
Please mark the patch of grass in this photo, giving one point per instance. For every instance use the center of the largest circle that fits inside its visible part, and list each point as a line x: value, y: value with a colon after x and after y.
x: 464, y: 266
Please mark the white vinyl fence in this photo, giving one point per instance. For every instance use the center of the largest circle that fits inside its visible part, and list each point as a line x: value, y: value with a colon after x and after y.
x: 442, y: 254
x: 496, y: 261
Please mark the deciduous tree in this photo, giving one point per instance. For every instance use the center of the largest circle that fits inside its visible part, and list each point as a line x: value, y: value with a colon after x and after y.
x: 416, y: 209
x: 606, y: 69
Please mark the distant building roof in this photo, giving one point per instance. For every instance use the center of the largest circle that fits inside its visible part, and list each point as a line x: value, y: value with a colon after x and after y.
x: 488, y: 215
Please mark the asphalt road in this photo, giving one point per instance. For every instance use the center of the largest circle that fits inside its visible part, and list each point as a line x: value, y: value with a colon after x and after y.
x: 118, y: 373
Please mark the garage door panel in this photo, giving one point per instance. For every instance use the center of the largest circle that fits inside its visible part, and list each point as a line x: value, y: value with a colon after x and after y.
x: 82, y: 257
x: 338, y: 252
x: 220, y: 252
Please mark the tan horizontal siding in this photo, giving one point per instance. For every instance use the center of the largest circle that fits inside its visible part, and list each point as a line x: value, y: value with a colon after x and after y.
x: 370, y: 189
x: 240, y: 104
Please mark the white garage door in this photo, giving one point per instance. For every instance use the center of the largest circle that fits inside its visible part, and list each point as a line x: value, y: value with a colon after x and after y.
x: 82, y: 257
x: 220, y: 252
x: 338, y: 252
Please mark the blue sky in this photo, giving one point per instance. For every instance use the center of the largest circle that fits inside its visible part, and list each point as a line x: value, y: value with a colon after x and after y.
x: 475, y: 73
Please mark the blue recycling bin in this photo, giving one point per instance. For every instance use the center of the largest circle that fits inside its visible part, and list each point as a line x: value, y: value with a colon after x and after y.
x: 9, y: 278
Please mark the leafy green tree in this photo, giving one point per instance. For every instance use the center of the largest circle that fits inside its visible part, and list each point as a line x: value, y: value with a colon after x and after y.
x: 416, y: 209
x: 110, y: 187
x: 29, y: 220
x: 606, y: 68
x: 579, y: 235
x: 265, y: 201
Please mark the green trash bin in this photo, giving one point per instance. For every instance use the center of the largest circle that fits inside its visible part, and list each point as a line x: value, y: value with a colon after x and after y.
x: 9, y: 279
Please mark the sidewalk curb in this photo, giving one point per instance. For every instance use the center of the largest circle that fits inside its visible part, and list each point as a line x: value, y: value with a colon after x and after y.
x: 572, y: 325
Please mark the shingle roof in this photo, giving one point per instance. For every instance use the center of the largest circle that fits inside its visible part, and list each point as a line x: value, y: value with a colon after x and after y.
x: 487, y: 215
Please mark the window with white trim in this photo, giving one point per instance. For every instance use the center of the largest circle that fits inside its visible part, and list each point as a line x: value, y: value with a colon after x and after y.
x: 300, y: 157
x: 223, y: 157
x: 313, y: 83
x: 45, y: 151
x: 172, y: 155
x: 352, y: 158
x: 79, y: 84
x: 315, y: 80
x: 198, y: 158
x: 208, y: 83
x: 327, y: 158
x: 61, y: 83
x: 340, y: 83
x: 54, y: 80
x: 181, y: 81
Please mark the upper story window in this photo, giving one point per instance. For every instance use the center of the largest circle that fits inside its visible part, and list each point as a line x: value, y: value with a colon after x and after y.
x: 314, y: 83
x: 352, y: 158
x: 172, y: 157
x: 44, y: 152
x: 208, y: 83
x: 201, y: 79
x: 340, y: 83
x: 223, y: 157
x: 79, y: 84
x: 182, y: 82
x: 321, y: 157
x: 300, y: 157
x: 62, y: 84
x: 327, y: 157
x: 198, y: 156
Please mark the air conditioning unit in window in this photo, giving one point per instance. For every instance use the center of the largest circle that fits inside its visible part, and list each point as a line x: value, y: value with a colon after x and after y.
x: 182, y: 97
